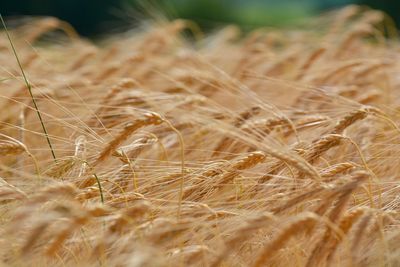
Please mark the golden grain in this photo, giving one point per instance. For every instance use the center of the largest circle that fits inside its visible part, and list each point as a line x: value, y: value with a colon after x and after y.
x: 273, y: 148
x: 149, y: 119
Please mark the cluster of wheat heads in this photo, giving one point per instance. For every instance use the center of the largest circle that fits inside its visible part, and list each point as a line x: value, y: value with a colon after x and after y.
x: 271, y: 148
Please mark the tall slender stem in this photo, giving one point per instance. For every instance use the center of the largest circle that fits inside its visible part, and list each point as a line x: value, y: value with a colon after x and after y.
x: 28, y: 85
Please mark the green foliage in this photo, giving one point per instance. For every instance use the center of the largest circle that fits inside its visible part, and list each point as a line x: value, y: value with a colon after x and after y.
x: 98, y: 16
x: 247, y: 14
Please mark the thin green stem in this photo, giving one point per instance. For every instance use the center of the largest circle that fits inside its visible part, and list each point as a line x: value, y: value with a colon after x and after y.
x: 5, y: 79
x: 97, y: 180
x: 28, y: 85
x: 100, y: 188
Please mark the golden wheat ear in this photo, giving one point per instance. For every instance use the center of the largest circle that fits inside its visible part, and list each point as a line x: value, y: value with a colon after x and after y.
x: 149, y: 119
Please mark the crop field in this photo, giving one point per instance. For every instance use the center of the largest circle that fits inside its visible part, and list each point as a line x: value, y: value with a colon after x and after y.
x: 167, y: 146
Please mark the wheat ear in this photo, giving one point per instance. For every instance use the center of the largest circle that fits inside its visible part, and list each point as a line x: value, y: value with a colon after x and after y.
x: 238, y: 122
x: 297, y: 226
x: 264, y: 125
x: 359, y: 233
x: 10, y: 148
x: 345, y: 226
x: 320, y: 251
x: 15, y: 146
x: 242, y: 234
x: 350, y: 119
x: 312, y: 58
x: 246, y: 162
x: 149, y: 119
x: 337, y: 169
x: 321, y: 145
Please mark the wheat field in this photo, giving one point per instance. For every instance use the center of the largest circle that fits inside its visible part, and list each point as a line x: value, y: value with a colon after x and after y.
x: 277, y: 147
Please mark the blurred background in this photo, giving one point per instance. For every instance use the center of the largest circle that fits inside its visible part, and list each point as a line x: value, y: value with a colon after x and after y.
x: 94, y: 17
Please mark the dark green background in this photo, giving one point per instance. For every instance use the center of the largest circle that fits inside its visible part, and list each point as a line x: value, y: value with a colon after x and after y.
x: 91, y: 17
